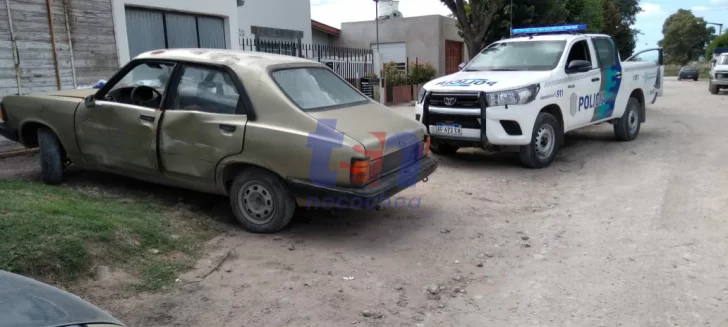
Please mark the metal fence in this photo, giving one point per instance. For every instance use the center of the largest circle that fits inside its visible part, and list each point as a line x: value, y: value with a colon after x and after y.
x: 350, y: 63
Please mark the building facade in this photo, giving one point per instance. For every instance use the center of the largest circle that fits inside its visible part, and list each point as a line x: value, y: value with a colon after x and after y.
x: 287, y: 21
x: 434, y: 39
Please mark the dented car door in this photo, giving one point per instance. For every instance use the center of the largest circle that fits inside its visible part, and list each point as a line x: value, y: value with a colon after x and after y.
x: 204, y: 122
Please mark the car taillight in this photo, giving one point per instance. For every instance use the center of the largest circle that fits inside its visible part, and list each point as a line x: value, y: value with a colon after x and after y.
x: 426, y: 145
x: 3, y: 114
x: 361, y: 171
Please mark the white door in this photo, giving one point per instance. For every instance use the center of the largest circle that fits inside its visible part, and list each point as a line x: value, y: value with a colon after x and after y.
x: 583, y: 92
x: 396, y: 52
x: 653, y: 80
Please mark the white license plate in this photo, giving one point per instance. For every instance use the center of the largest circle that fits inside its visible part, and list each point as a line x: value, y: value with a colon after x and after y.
x: 449, y: 129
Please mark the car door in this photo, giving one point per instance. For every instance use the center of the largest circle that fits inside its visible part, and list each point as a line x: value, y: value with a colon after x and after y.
x: 650, y: 79
x: 203, y: 122
x: 582, y: 90
x: 116, y: 128
x: 610, y: 69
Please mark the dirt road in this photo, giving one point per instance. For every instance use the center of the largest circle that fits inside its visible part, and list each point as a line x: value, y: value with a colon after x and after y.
x: 612, y: 234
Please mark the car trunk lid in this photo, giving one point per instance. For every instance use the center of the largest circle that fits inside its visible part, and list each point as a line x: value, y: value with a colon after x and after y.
x: 384, y: 134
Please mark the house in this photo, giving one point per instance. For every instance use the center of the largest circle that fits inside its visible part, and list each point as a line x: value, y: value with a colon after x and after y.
x: 434, y: 39
x: 47, y: 45
x: 323, y: 34
x: 275, y: 21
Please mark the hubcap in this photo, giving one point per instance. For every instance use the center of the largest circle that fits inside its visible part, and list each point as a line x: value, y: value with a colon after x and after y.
x: 545, y: 140
x: 632, y: 120
x: 256, y: 202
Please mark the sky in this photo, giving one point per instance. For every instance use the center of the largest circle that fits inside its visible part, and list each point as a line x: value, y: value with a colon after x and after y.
x: 649, y: 21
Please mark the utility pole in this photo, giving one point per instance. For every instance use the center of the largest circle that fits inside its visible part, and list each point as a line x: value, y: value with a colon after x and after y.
x: 720, y: 26
x: 511, y: 18
x: 376, y: 19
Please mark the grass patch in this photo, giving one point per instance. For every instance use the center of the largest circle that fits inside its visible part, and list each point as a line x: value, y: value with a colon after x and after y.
x: 60, y: 235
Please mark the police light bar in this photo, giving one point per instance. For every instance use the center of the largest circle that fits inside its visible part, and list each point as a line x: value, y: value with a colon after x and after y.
x: 548, y: 29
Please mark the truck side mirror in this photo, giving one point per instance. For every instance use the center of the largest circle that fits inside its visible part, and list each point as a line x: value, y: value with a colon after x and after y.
x: 578, y: 66
x: 461, y: 65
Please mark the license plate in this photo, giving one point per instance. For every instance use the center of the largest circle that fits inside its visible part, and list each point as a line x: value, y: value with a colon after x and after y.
x: 449, y: 129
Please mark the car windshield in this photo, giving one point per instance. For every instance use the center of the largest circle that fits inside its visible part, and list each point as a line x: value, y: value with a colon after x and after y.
x: 722, y: 60
x: 518, y: 56
x: 316, y: 88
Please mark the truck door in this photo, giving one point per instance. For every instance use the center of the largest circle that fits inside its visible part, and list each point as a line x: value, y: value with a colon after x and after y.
x: 204, y: 122
x: 583, y: 91
x: 651, y: 76
x: 610, y: 68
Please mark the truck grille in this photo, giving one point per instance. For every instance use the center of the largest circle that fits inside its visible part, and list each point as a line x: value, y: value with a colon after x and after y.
x: 721, y: 75
x: 461, y: 99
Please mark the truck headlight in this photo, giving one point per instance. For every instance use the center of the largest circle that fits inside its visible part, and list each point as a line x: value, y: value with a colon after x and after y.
x: 511, y: 97
x: 421, y: 95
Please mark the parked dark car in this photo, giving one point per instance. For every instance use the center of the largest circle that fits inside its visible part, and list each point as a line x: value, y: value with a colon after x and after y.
x: 688, y: 72
x: 25, y: 302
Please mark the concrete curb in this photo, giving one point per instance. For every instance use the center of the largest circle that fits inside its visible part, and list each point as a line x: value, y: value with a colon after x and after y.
x: 17, y: 153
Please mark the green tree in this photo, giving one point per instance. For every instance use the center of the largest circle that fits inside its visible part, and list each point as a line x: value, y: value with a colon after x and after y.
x: 684, y: 37
x: 718, y: 42
x: 475, y: 21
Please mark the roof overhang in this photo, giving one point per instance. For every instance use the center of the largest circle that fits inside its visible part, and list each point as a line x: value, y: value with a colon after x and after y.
x: 321, y: 27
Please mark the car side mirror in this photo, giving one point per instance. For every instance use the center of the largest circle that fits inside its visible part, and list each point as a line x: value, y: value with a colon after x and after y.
x: 461, y: 65
x: 578, y: 66
x: 89, y: 101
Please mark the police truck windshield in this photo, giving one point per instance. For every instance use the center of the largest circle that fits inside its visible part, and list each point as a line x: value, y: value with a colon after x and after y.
x: 722, y: 60
x: 518, y: 56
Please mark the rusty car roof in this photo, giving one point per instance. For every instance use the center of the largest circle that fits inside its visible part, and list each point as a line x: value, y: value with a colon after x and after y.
x: 224, y: 56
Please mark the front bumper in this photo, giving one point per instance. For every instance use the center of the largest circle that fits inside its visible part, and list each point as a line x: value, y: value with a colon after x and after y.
x: 504, y: 126
x: 721, y: 82
x: 8, y: 132
x: 328, y: 197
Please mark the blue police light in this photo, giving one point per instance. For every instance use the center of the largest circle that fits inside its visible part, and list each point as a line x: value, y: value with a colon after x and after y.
x: 548, y: 29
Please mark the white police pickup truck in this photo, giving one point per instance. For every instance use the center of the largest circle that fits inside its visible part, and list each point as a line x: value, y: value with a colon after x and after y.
x: 523, y: 93
x: 719, y: 74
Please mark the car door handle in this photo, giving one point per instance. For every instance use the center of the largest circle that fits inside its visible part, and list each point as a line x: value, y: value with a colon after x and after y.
x: 227, y: 128
x: 147, y: 118
x: 595, y: 79
x: 618, y: 75
x: 571, y: 86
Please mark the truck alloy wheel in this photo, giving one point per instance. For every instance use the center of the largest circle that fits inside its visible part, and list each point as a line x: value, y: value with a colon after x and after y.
x: 545, y: 141
x: 628, y: 127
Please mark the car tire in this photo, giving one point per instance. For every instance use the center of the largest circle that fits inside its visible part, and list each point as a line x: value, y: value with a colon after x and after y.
x: 261, y: 201
x: 713, y: 88
x: 628, y: 127
x: 695, y: 79
x: 443, y: 148
x: 679, y: 79
x: 546, y: 138
x: 52, y: 157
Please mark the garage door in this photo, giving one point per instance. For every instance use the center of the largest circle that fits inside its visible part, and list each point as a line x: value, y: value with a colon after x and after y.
x: 155, y: 29
x: 396, y: 52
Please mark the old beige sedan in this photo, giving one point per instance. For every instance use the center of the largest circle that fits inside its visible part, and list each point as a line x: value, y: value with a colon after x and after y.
x: 272, y: 132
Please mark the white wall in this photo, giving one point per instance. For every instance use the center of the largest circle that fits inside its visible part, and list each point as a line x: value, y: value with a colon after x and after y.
x: 283, y: 14
x: 221, y: 8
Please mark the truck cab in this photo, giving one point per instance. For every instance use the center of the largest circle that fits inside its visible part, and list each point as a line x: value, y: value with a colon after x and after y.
x: 719, y: 73
x: 522, y: 94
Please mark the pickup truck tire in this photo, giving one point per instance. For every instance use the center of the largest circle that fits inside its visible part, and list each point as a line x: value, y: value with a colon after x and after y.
x: 713, y: 88
x: 628, y: 127
x: 443, y: 148
x: 52, y: 157
x: 545, y: 141
x: 261, y: 201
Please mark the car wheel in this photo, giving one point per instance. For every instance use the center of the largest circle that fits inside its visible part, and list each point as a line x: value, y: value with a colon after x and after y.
x: 679, y: 79
x: 52, y: 157
x: 628, y: 127
x: 261, y: 201
x: 695, y: 79
x: 713, y: 88
x: 545, y: 140
x: 443, y: 148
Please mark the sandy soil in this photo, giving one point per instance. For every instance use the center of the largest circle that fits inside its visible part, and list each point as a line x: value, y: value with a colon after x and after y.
x: 612, y: 234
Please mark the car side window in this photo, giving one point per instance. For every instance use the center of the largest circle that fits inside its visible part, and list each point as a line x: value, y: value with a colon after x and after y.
x: 206, y: 89
x: 647, y: 56
x: 579, y: 51
x: 605, y: 51
x: 142, y: 85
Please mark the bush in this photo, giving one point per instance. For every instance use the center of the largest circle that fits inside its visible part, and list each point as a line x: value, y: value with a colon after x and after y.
x: 719, y: 42
x: 394, y: 76
x: 421, y: 73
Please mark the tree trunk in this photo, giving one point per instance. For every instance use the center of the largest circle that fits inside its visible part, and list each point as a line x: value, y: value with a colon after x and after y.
x: 474, y: 47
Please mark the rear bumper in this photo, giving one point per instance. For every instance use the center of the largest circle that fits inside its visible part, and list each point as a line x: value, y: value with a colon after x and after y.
x: 328, y: 197
x: 8, y: 132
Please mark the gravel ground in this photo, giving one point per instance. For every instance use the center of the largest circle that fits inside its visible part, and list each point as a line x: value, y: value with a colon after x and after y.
x: 612, y: 234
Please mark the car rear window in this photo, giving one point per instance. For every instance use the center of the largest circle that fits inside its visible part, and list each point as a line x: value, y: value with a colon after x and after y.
x: 689, y: 69
x: 314, y: 88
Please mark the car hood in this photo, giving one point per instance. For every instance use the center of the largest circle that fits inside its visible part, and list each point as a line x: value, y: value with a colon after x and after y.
x: 78, y: 94
x: 379, y: 129
x: 25, y: 302
x: 487, y: 81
